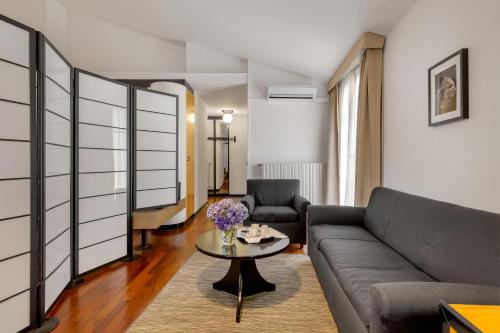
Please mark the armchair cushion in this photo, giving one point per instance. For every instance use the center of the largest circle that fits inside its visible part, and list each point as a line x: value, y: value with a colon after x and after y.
x: 249, y: 202
x: 300, y: 205
x: 273, y: 192
x: 274, y: 214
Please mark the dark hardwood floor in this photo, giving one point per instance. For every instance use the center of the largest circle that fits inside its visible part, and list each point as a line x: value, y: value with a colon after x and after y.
x: 110, y: 299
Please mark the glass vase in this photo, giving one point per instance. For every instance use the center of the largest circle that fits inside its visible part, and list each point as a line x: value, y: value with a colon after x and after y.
x: 228, y: 236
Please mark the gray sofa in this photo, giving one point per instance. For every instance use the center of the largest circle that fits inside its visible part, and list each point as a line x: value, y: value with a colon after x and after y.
x: 385, y: 268
x: 277, y: 203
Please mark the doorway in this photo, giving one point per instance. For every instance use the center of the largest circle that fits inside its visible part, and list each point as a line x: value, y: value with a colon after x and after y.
x: 218, y: 148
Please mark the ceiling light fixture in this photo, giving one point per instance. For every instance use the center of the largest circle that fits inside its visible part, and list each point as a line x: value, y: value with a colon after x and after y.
x: 227, y: 117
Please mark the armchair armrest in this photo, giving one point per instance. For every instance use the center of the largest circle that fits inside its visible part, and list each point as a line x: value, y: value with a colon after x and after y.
x: 335, y: 215
x: 300, y: 204
x: 414, y: 306
x: 249, y: 202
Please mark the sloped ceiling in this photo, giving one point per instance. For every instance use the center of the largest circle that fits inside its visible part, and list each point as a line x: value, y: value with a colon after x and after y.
x: 307, y: 37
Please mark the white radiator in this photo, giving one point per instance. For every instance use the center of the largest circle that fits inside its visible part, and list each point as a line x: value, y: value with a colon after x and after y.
x: 311, y: 176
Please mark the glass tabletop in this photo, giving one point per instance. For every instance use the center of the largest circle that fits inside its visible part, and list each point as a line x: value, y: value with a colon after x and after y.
x: 210, y: 243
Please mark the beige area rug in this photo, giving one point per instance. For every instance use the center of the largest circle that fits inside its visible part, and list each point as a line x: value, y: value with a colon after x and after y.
x: 188, y: 303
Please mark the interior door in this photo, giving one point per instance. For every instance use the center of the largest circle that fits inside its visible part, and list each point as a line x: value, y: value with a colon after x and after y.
x: 190, y: 132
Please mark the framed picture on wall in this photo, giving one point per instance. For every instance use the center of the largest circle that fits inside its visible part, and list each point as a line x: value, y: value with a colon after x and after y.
x: 449, y: 89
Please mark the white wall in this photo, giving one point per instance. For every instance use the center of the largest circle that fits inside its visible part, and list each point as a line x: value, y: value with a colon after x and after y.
x: 457, y: 162
x: 200, y: 59
x: 283, y: 131
x: 201, y: 173
x: 100, y: 46
x: 238, y: 154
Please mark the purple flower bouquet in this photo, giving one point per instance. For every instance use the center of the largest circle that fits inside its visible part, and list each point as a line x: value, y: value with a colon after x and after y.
x: 227, y: 215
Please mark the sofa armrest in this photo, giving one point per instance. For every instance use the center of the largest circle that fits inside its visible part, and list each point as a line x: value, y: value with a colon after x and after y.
x: 249, y: 202
x: 335, y: 215
x: 414, y: 306
x: 300, y: 204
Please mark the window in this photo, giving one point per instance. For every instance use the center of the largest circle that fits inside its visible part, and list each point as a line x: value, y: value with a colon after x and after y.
x: 348, y: 122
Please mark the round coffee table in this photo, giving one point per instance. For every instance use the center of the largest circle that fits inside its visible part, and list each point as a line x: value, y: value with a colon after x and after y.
x: 243, y: 279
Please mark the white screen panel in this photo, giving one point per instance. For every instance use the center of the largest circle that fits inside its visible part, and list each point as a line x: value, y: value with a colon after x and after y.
x: 101, y: 90
x: 57, y: 160
x: 100, y: 254
x: 56, y: 252
x: 102, y: 183
x: 15, y: 313
x: 152, y: 160
x: 102, y: 114
x: 150, y: 101
x: 156, y: 141
x: 15, y: 159
x: 57, y: 190
x: 156, y: 122
x: 57, y: 126
x: 56, y: 68
x: 16, y: 110
x: 156, y: 144
x: 102, y: 137
x: 57, y: 130
x: 152, y: 198
x: 9, y: 245
x: 56, y: 221
x: 14, y: 198
x: 55, y: 284
x: 15, y: 44
x: 18, y: 126
x: 15, y: 275
x: 100, y: 207
x: 14, y: 83
x: 91, y: 160
x: 98, y: 231
x: 155, y: 179
x: 103, y: 166
x: 57, y: 100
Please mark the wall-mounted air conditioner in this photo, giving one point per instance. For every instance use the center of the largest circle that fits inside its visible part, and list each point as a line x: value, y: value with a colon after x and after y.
x: 294, y: 93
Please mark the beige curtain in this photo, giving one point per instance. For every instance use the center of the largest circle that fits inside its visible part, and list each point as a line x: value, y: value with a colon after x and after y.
x: 332, y: 172
x: 369, y: 138
x: 369, y: 134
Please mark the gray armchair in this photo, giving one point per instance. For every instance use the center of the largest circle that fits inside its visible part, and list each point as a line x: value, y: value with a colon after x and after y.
x: 277, y: 203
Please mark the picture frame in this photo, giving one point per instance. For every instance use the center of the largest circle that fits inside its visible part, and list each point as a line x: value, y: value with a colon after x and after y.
x: 448, y: 89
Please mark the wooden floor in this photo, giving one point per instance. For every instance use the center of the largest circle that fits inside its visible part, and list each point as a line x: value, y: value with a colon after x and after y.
x: 111, y: 298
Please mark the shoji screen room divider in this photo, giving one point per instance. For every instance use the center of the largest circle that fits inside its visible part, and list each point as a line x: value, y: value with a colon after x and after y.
x: 66, y: 139
x: 156, y: 149
x: 103, y: 211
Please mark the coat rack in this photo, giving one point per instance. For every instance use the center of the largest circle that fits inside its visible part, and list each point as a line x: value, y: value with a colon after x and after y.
x: 222, y: 138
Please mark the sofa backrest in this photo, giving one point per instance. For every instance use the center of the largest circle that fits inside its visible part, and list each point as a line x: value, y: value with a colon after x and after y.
x: 451, y: 243
x: 273, y: 192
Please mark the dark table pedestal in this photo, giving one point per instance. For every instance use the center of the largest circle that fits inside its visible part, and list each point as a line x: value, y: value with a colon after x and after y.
x: 242, y: 280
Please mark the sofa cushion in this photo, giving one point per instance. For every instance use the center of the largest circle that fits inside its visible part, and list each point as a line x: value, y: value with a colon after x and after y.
x: 274, y: 214
x: 465, y: 248
x: 327, y: 231
x: 379, y: 209
x: 360, y: 263
x: 442, y: 239
x: 346, y: 253
x: 356, y: 283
